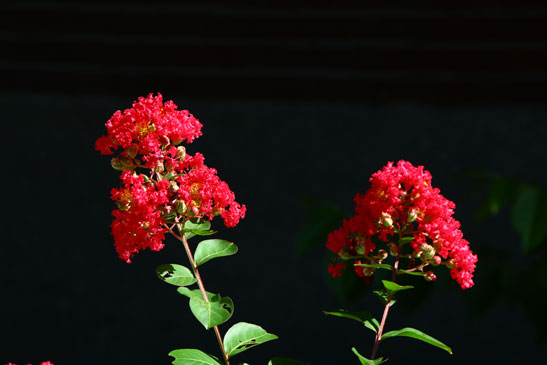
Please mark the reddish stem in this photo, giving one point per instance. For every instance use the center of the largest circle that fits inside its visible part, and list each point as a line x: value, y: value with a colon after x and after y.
x: 182, y: 238
x: 378, y: 337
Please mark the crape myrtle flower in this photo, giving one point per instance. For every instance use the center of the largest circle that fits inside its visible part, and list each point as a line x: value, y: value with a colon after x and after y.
x: 177, y: 187
x: 402, y: 211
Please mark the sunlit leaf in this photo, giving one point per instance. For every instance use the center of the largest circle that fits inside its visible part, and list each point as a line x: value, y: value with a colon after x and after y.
x: 242, y: 336
x: 376, y: 266
x: 210, y: 249
x: 193, y: 357
x: 419, y: 335
x: 212, y: 313
x: 175, y: 274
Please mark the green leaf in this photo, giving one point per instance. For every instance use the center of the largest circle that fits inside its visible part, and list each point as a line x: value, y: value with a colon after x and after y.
x: 193, y: 357
x: 196, y: 292
x: 286, y: 361
x: 530, y: 217
x: 419, y: 335
x: 217, y: 311
x: 364, y: 317
x: 392, y: 288
x: 242, y: 336
x: 175, y: 274
x: 376, y: 266
x: 210, y: 249
x: 384, y: 297
x: 199, y: 227
x: 404, y: 240
x: 364, y: 360
x: 415, y: 273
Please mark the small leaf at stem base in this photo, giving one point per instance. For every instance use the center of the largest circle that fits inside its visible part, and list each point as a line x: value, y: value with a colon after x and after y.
x: 419, y: 335
x: 365, y: 361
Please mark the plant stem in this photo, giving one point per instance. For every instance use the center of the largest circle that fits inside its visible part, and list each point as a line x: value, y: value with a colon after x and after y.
x: 182, y: 238
x: 378, y: 337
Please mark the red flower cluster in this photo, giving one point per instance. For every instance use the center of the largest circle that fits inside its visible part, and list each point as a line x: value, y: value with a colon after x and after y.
x: 401, y: 207
x: 179, y: 186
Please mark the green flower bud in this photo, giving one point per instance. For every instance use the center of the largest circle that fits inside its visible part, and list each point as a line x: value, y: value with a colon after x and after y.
x: 116, y: 164
x: 428, y: 251
x: 368, y: 271
x: 386, y: 220
x: 180, y: 206
x: 360, y: 249
x: 450, y: 264
x: 412, y: 216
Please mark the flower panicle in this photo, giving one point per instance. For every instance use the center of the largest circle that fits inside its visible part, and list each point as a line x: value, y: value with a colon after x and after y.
x: 402, y: 208
x: 177, y: 187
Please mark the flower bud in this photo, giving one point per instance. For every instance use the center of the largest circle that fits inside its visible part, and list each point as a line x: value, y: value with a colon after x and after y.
x: 368, y: 271
x: 132, y: 151
x: 412, y: 216
x: 181, y: 154
x: 430, y: 276
x: 382, y: 254
x: 450, y: 264
x: 386, y: 220
x: 173, y: 187
x: 195, y: 210
x: 116, y: 164
x: 168, y: 210
x: 180, y: 206
x: 344, y: 254
x: 164, y: 141
x: 436, y: 261
x: 393, y: 249
x: 360, y: 249
x: 159, y: 168
x: 428, y: 251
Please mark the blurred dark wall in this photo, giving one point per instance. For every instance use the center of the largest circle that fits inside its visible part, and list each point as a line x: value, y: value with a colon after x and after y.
x: 296, y: 98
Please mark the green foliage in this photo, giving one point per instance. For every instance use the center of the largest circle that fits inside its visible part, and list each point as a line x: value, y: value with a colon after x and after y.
x: 392, y: 288
x: 365, y: 361
x: 530, y: 217
x: 376, y: 266
x: 364, y: 317
x: 175, y: 274
x: 242, y: 336
x: 419, y: 335
x: 199, y: 227
x: 210, y: 249
x: 212, y: 313
x: 193, y: 357
x: 414, y: 273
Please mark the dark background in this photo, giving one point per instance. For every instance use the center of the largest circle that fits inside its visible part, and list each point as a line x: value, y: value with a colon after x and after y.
x: 297, y: 99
